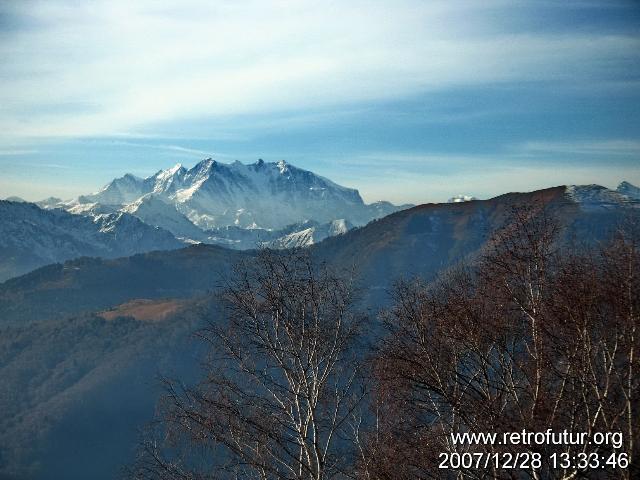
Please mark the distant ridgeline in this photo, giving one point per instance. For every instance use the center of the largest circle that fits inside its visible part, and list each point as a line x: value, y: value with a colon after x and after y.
x: 233, y: 205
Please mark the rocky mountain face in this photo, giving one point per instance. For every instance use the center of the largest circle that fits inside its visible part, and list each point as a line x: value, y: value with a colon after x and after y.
x: 31, y: 237
x: 597, y: 196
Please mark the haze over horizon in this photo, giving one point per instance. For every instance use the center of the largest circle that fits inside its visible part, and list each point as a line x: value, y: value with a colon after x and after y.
x: 406, y: 101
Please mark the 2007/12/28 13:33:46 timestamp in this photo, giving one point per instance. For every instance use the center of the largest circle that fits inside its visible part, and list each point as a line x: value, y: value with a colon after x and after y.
x: 529, y: 460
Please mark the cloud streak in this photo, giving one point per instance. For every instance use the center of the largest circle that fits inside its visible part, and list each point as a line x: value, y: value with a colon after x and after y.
x: 604, y: 148
x: 15, y: 152
x: 119, y: 66
x: 191, y: 152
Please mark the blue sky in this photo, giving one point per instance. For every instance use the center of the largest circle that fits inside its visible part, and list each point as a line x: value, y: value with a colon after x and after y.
x: 409, y: 101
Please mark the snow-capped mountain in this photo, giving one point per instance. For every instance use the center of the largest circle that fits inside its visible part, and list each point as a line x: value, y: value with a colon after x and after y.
x: 311, y: 235
x: 31, y: 236
x: 297, y: 235
x: 208, y: 202
x: 120, y: 191
x: 110, y: 357
x: 631, y: 191
x: 235, y: 205
x: 597, y: 196
x: 260, y: 195
x: 50, y: 202
x: 383, y: 208
x: 461, y: 198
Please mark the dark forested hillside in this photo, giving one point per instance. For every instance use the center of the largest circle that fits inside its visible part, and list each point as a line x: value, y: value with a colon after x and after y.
x: 89, y: 284
x: 75, y: 392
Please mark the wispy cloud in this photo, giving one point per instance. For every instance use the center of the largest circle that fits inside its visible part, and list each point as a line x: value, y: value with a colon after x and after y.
x: 51, y: 165
x: 16, y: 152
x: 602, y: 148
x: 408, y: 100
x: 132, y: 64
x: 192, y: 152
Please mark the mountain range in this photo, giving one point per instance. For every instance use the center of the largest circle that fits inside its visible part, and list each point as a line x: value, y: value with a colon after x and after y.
x: 211, y: 195
x: 235, y: 205
x: 82, y: 341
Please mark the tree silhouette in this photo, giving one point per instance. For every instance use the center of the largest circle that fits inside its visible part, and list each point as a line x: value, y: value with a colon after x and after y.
x: 282, y: 386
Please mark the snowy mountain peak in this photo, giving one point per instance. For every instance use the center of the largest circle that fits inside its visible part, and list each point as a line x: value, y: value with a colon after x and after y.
x: 50, y: 202
x: 202, y: 170
x: 205, y: 165
x: 118, y: 192
x: 629, y: 190
x: 170, y: 172
x: 169, y: 179
x: 597, y: 196
x: 461, y: 198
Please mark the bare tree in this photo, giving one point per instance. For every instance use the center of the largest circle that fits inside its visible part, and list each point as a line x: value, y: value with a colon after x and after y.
x: 282, y: 385
x: 531, y: 339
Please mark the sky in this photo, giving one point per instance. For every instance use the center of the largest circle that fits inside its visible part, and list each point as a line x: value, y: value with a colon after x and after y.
x: 408, y: 101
